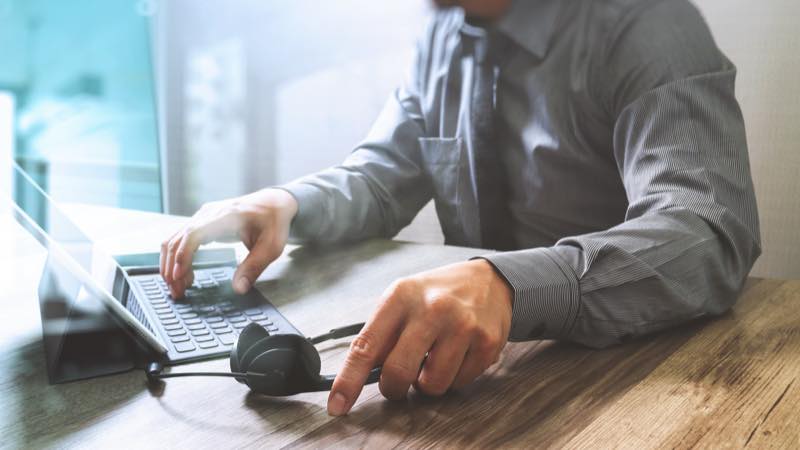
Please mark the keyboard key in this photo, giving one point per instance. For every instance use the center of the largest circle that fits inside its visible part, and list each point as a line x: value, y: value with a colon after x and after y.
x: 264, y: 322
x: 240, y: 324
x: 170, y: 321
x: 272, y: 329
x: 237, y: 319
x: 205, y: 309
x: 219, y: 331
x: 213, y: 319
x: 192, y: 321
x: 196, y: 326
x: 204, y: 338
x: 227, y: 339
x: 158, y: 302
x: 254, y: 312
x: 177, y: 339
x: 173, y: 327
x: 178, y: 332
x: 202, y: 332
x: 233, y: 314
x: 184, y: 347
x: 188, y: 315
x: 166, y: 316
x: 209, y: 344
x: 162, y: 308
x: 218, y: 325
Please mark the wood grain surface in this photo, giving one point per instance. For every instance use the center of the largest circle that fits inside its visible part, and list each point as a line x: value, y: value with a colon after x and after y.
x: 730, y: 382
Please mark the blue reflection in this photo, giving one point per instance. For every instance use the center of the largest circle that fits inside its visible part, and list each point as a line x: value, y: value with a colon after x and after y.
x: 81, y: 75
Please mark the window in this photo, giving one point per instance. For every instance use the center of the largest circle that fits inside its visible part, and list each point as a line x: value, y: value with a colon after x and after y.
x: 80, y: 79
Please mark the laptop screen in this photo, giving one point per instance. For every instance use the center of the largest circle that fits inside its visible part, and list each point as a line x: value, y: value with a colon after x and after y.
x: 90, y: 269
x: 52, y: 228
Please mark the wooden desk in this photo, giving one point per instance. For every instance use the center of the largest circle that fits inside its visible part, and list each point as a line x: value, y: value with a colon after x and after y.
x: 728, y: 382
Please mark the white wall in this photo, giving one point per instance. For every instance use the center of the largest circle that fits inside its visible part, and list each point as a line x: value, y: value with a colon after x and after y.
x: 259, y: 92
x: 762, y: 39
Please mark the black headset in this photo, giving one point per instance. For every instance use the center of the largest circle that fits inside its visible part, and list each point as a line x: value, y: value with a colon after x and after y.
x: 276, y: 365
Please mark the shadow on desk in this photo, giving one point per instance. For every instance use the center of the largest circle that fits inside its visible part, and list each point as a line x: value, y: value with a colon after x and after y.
x: 50, y: 412
x: 536, y: 387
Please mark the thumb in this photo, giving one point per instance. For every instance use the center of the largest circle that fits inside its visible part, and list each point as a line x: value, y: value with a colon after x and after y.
x: 260, y: 256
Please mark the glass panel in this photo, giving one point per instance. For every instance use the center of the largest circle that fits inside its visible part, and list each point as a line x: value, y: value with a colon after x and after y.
x: 81, y: 78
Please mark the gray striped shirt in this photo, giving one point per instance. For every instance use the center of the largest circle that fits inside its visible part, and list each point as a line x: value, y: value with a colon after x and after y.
x: 625, y: 152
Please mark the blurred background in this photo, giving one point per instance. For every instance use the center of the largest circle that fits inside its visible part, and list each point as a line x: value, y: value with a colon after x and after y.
x: 164, y: 105
x: 247, y: 93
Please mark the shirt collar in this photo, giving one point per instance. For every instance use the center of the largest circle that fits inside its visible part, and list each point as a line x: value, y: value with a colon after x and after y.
x: 529, y: 23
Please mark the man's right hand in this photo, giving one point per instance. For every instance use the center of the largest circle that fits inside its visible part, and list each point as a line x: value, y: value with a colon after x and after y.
x: 260, y: 220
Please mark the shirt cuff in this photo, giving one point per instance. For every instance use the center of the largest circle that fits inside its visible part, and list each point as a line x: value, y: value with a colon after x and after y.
x: 311, y: 208
x: 546, y: 293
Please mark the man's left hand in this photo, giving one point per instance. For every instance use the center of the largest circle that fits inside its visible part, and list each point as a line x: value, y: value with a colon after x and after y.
x: 459, y: 315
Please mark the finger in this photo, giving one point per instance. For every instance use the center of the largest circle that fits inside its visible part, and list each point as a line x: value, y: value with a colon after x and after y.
x: 442, y: 364
x: 181, y: 250
x: 170, y: 259
x: 366, y: 351
x: 162, y: 261
x: 401, y: 367
x: 182, y: 259
x: 178, y: 287
x: 473, y: 366
x: 260, y: 256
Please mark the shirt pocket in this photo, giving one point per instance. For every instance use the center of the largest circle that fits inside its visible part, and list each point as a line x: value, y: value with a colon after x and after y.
x: 442, y: 162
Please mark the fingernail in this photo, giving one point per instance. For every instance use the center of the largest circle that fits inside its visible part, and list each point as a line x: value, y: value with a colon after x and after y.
x: 337, y: 404
x: 242, y: 285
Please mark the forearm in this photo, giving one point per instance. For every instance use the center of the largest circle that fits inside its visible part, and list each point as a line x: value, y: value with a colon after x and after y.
x: 640, y: 277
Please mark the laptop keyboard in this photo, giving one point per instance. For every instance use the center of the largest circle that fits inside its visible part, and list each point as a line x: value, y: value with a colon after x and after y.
x: 206, y: 320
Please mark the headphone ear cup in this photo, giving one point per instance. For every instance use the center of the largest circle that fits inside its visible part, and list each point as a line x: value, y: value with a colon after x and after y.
x: 251, y: 334
x: 283, y: 364
x: 309, y: 357
x: 273, y: 372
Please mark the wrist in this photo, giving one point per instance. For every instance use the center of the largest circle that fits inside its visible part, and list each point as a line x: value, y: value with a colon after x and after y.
x: 280, y: 201
x: 499, y: 288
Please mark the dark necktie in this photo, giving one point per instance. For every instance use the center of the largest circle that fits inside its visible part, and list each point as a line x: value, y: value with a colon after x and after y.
x: 490, y: 181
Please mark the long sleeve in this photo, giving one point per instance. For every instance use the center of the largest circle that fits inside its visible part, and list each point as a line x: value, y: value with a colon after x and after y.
x: 690, y: 234
x: 379, y: 188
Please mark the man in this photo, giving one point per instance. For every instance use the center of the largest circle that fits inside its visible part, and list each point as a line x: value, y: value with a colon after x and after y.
x: 596, y: 143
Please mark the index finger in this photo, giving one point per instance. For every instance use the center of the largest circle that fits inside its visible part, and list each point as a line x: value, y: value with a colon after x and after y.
x: 368, y: 349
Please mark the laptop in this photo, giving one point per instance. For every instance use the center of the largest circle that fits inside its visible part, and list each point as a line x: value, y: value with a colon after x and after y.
x: 205, y: 324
